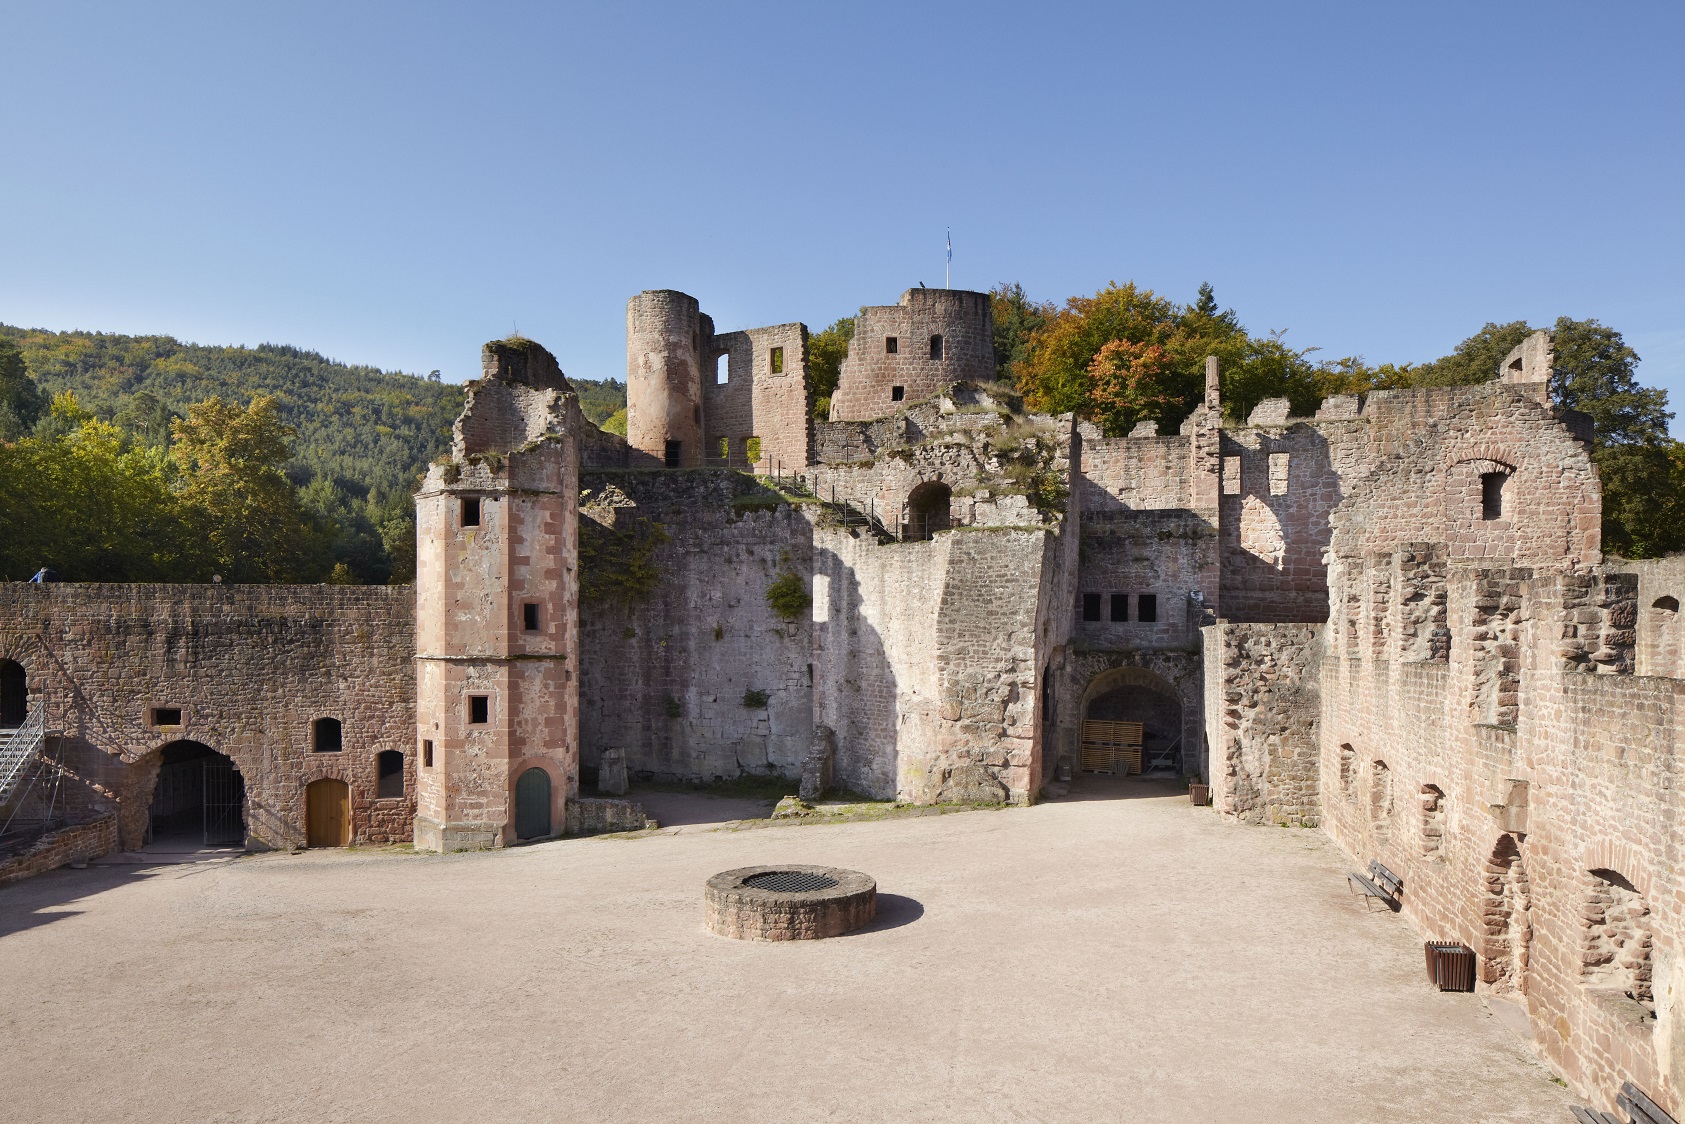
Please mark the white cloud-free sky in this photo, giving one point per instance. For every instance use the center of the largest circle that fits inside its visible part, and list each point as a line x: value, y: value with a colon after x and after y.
x: 396, y: 183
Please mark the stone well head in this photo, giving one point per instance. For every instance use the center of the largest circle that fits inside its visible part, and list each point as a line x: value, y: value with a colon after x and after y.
x: 789, y: 903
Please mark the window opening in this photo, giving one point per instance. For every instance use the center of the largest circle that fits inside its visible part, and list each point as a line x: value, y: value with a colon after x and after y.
x: 1348, y: 771
x: 1146, y: 608
x: 470, y: 512
x: 327, y: 736
x: 1091, y: 606
x: 1433, y: 820
x: 479, y: 709
x: 1615, y: 943
x: 1492, y: 494
x: 166, y: 716
x: 1666, y: 604
x: 752, y: 450
x: 1380, y: 801
x: 675, y: 453
x: 389, y: 774
x: 427, y: 753
x: 14, y: 697
x: 936, y: 347
x: 777, y: 359
x: 897, y: 393
x: 891, y: 345
x: 1278, y: 474
x: 929, y: 509
x: 1120, y: 606
x: 722, y: 370
x: 529, y: 616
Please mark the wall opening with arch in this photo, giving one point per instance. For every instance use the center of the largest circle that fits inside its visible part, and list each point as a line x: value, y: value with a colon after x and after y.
x: 198, y: 800
x: 1133, y: 694
x: 14, y: 695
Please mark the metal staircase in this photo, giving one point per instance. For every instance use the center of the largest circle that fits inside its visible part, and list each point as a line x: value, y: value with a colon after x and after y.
x: 19, y: 748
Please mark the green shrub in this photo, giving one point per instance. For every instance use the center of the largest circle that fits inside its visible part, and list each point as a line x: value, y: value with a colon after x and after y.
x: 788, y: 596
x: 755, y: 700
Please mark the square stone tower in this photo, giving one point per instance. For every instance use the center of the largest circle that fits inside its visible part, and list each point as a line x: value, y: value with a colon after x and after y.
x: 497, y: 609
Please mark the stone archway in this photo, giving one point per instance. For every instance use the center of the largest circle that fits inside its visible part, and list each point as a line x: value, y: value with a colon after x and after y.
x: 1134, y: 694
x: 198, y: 799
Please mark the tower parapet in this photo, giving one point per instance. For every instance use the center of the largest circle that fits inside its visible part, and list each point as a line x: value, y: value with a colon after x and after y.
x: 907, y: 352
x: 497, y: 606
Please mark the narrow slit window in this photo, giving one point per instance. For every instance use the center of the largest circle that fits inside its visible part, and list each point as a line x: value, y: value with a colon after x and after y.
x: 1492, y: 489
x: 427, y: 753
x: 777, y: 360
x: 1146, y: 608
x: 722, y: 370
x: 529, y: 616
x: 479, y: 709
x: 936, y: 347
x: 897, y: 393
x: 1231, y: 476
x: 1091, y: 606
x: 470, y: 512
x: 1120, y: 606
x: 891, y: 345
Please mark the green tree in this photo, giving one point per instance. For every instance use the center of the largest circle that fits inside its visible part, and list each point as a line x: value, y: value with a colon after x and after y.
x: 230, y: 464
x: 825, y: 353
x: 1475, y: 360
x: 1017, y: 318
x: 21, y: 401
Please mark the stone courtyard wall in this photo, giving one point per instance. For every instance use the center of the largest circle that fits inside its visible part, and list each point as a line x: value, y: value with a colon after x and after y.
x: 1262, y: 710
x: 250, y: 667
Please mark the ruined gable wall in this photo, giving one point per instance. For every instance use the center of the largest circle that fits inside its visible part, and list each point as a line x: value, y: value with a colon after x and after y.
x: 869, y: 371
x: 251, y: 667
x: 1661, y: 631
x: 756, y: 402
x: 1136, y: 552
x: 702, y: 638
x: 1134, y: 473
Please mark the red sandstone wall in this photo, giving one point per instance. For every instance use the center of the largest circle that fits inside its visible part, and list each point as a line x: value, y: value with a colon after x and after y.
x: 869, y: 372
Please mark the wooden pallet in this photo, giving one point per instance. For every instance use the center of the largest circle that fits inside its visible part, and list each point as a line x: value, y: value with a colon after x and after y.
x: 1107, y: 745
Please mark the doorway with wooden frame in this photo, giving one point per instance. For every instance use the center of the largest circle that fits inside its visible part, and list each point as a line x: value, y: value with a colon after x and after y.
x: 327, y: 813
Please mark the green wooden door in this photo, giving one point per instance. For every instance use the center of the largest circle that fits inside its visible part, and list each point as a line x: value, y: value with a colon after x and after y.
x: 532, y: 804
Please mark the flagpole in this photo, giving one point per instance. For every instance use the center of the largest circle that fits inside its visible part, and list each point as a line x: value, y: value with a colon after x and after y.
x: 948, y: 269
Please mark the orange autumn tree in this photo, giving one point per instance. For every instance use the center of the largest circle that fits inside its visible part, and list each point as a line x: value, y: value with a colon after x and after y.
x: 1133, y: 382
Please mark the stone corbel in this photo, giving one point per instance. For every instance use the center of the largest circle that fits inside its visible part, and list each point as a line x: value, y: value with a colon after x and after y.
x: 1508, y: 805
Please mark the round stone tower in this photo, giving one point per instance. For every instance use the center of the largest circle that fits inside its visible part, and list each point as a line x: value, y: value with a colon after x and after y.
x: 665, y: 333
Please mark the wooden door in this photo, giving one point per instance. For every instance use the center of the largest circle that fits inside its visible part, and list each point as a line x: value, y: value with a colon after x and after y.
x: 532, y: 804
x: 327, y: 814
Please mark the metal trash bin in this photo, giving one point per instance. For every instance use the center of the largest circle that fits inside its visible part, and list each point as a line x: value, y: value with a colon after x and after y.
x: 1450, y: 965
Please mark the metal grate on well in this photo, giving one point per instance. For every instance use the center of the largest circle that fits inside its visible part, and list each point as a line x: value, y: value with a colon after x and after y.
x: 789, y: 881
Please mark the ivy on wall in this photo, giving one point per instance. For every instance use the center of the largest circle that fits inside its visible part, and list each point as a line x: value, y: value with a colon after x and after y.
x: 618, y: 563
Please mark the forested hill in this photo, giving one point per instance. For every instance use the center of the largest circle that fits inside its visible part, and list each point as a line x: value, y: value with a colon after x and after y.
x: 370, y: 431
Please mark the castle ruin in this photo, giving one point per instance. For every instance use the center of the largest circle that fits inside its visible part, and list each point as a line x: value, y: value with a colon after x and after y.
x: 1391, y: 622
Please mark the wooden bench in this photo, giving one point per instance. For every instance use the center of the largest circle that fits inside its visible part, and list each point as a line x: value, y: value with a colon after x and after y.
x: 1379, y: 885
x: 1640, y: 1107
x: 1106, y: 745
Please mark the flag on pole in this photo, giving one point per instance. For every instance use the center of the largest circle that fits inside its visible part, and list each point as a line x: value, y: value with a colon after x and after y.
x: 947, y: 269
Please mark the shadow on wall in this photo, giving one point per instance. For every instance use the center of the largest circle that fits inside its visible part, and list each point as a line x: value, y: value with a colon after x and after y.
x: 1277, y: 528
x: 856, y: 690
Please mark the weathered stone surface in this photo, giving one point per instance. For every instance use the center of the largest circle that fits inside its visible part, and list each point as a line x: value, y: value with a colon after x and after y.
x: 742, y: 912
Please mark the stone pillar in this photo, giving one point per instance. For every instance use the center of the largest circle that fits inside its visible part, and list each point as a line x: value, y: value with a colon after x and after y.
x: 611, y: 772
x: 497, y: 605
x: 665, y: 342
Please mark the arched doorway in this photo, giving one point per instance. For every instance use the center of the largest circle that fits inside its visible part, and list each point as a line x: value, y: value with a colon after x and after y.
x: 532, y: 804
x: 1129, y: 696
x: 1506, y: 915
x: 927, y: 511
x: 199, y: 799
x: 14, y: 695
x: 327, y: 813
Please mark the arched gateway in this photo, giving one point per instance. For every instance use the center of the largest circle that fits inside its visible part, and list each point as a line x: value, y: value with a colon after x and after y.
x: 199, y: 799
x: 1118, y: 701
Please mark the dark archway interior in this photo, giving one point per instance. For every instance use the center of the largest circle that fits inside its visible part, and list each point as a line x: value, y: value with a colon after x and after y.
x: 199, y: 799
x: 928, y: 510
x: 14, y: 695
x: 1160, y: 716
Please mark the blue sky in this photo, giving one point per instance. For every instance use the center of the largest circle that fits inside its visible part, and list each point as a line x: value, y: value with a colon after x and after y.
x: 395, y: 184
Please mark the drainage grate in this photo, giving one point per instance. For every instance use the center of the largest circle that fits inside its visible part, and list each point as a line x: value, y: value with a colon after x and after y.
x: 789, y: 881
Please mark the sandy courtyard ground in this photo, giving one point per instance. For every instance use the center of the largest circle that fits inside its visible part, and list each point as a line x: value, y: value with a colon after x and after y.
x: 1095, y: 960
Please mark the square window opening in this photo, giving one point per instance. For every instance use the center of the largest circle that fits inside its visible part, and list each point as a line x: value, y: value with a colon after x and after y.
x: 1146, y: 608
x: 1091, y: 606
x: 388, y: 774
x: 1120, y: 606
x: 936, y: 347
x: 166, y: 716
x: 529, y: 616
x: 777, y: 360
x: 891, y: 345
x: 327, y: 735
x: 897, y: 393
x: 470, y: 512
x: 479, y: 710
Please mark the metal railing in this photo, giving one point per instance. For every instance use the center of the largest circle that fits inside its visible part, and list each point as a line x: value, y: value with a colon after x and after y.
x: 19, y: 747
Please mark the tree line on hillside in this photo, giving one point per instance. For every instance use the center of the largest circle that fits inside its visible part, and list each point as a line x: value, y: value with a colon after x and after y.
x: 89, y: 458
x: 1127, y: 355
